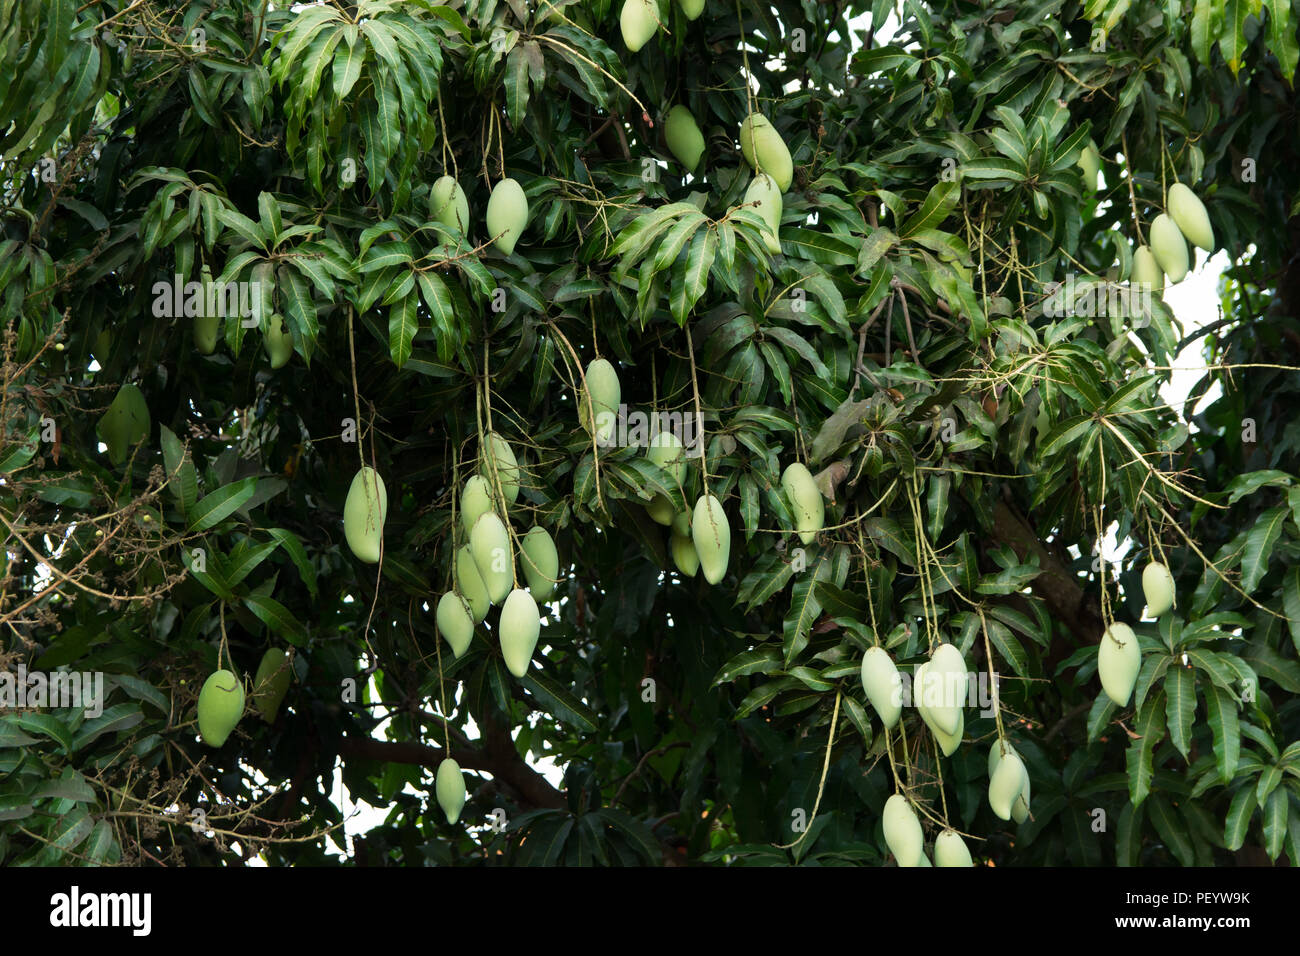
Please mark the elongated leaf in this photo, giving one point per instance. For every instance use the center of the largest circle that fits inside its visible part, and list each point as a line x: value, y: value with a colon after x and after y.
x: 221, y: 504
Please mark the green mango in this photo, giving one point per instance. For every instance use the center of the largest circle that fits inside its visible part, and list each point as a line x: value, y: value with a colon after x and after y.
x: 1169, y: 247
x: 496, y: 452
x: 806, y: 502
x: 765, y: 150
x: 507, y: 215
x: 764, y: 192
x: 711, y: 535
x: 271, y: 683
x: 606, y: 395
x: 951, y: 850
x: 683, y: 136
x: 638, y: 21
x: 475, y: 501
x: 1008, y: 779
x: 1157, y: 588
x: 540, y: 561
x: 1189, y: 215
x: 691, y: 9
x: 489, y: 542
x: 278, y: 341
x: 469, y: 583
x: 883, y: 685
x: 684, y: 554
x: 1146, y: 271
x: 1119, y: 658
x: 903, y: 834
x: 448, y: 205
x: 221, y: 704
x: 364, y: 512
x: 449, y: 787
x: 519, y: 627
x: 207, y: 325
x: 455, y: 622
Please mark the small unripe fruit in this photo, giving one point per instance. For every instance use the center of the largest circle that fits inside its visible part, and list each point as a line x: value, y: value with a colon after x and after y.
x: 903, y: 834
x: 606, y: 394
x: 221, y: 704
x: 540, y: 561
x: 711, y: 535
x: 1008, y: 780
x: 271, y: 683
x: 683, y: 136
x: 950, y: 850
x: 497, y: 451
x: 475, y: 501
x: 126, y: 422
x: 507, y: 215
x: 765, y: 150
x: 455, y: 622
x: 448, y: 205
x: 489, y: 542
x: 1158, y: 588
x: 1119, y: 658
x: 519, y: 628
x: 470, y: 584
x: 691, y: 8
x: 684, y: 555
x: 449, y: 786
x: 1146, y: 271
x: 278, y: 341
x: 883, y: 685
x: 1189, y: 214
x: 639, y: 20
x: 806, y: 503
x: 1169, y: 247
x: 364, y: 512
x: 764, y: 192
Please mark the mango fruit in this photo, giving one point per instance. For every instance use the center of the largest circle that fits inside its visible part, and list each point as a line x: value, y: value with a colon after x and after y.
x: 449, y: 786
x: 1157, y: 588
x: 1090, y: 163
x: 519, y: 628
x: 605, y: 394
x: 682, y: 523
x: 711, y: 535
x: 1119, y: 658
x: 1007, y: 781
x: 469, y: 583
x: 125, y: 423
x: 475, y: 501
x: 691, y: 9
x: 1146, y: 271
x: 1190, y: 216
x: 507, y: 215
x: 883, y: 685
x: 683, y: 136
x: 1169, y: 247
x: 948, y: 742
x: 206, y: 326
x: 765, y: 150
x: 946, y: 686
x: 448, y: 205
x: 639, y: 21
x: 763, y: 191
x: 489, y: 542
x: 1020, y: 809
x: 903, y: 834
x: 278, y: 341
x: 540, y: 561
x: 271, y: 683
x: 455, y: 622
x: 666, y: 452
x: 951, y: 850
x: 497, y: 454
x: 364, y: 512
x: 684, y: 554
x: 806, y: 502
x: 221, y: 704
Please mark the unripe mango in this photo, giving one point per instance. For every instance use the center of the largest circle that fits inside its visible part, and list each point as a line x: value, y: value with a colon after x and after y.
x: 507, y: 215
x: 883, y: 685
x: 278, y: 341
x: 221, y: 704
x: 684, y: 554
x: 764, y: 192
x: 996, y: 751
x: 683, y: 136
x: 1090, y: 163
x: 449, y: 786
x: 448, y: 204
x: 945, y: 689
x: 948, y: 742
x: 691, y: 9
x: 660, y: 510
x: 470, y: 583
x: 489, y: 542
x: 1146, y: 271
x: 1008, y: 779
x: 496, y: 451
x: 806, y: 503
x: 903, y: 834
x: 1119, y: 658
x: 606, y: 394
x: 1020, y: 809
x: 682, y: 524
x: 519, y: 628
x: 765, y: 150
x: 639, y: 20
x: 666, y: 452
x: 540, y: 561
x: 711, y: 535
x: 475, y: 501
x: 950, y: 850
x: 125, y: 423
x: 364, y: 512
x: 1158, y: 588
x: 206, y: 326
x: 455, y: 622
x: 1190, y: 216
x: 271, y: 683
x: 1169, y: 247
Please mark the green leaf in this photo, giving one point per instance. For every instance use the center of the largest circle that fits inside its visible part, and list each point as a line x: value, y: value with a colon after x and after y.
x: 1172, y: 830
x: 1180, y: 699
x: 1221, y: 709
x: 1150, y: 728
x: 1276, y: 811
x: 561, y: 702
x: 277, y: 617
x: 1259, y: 546
x: 1237, y: 821
x: 403, y: 323
x: 690, y: 277
x: 221, y: 504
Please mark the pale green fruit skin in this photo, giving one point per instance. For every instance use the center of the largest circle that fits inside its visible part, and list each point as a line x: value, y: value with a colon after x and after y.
x: 519, y: 628
x: 684, y: 554
x: 806, y: 502
x: 470, y: 584
x: 540, y: 561
x: 271, y: 683
x: 948, y: 742
x: 221, y: 704
x: 455, y: 622
x: 1020, y: 808
x: 660, y: 510
x: 765, y: 150
x: 691, y: 8
x: 903, y: 833
x: 925, y: 861
x: 449, y: 787
x: 666, y: 452
x: 764, y: 192
x: 206, y: 327
x: 685, y: 141
x: 606, y: 394
x: 711, y: 534
x: 489, y: 542
x: 126, y: 422
x: 1146, y: 271
x: 475, y: 501
x: 363, y: 516
x: 639, y: 21
x: 497, y: 449
x: 1090, y: 163
x: 1118, y: 663
x: 278, y: 341
x: 951, y: 850
x: 448, y: 204
x: 1005, y: 784
x: 995, y: 754
x: 507, y: 215
x: 946, y: 709
x: 1158, y: 588
x: 1189, y: 214
x: 883, y: 685
x: 682, y: 524
x: 1169, y: 247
